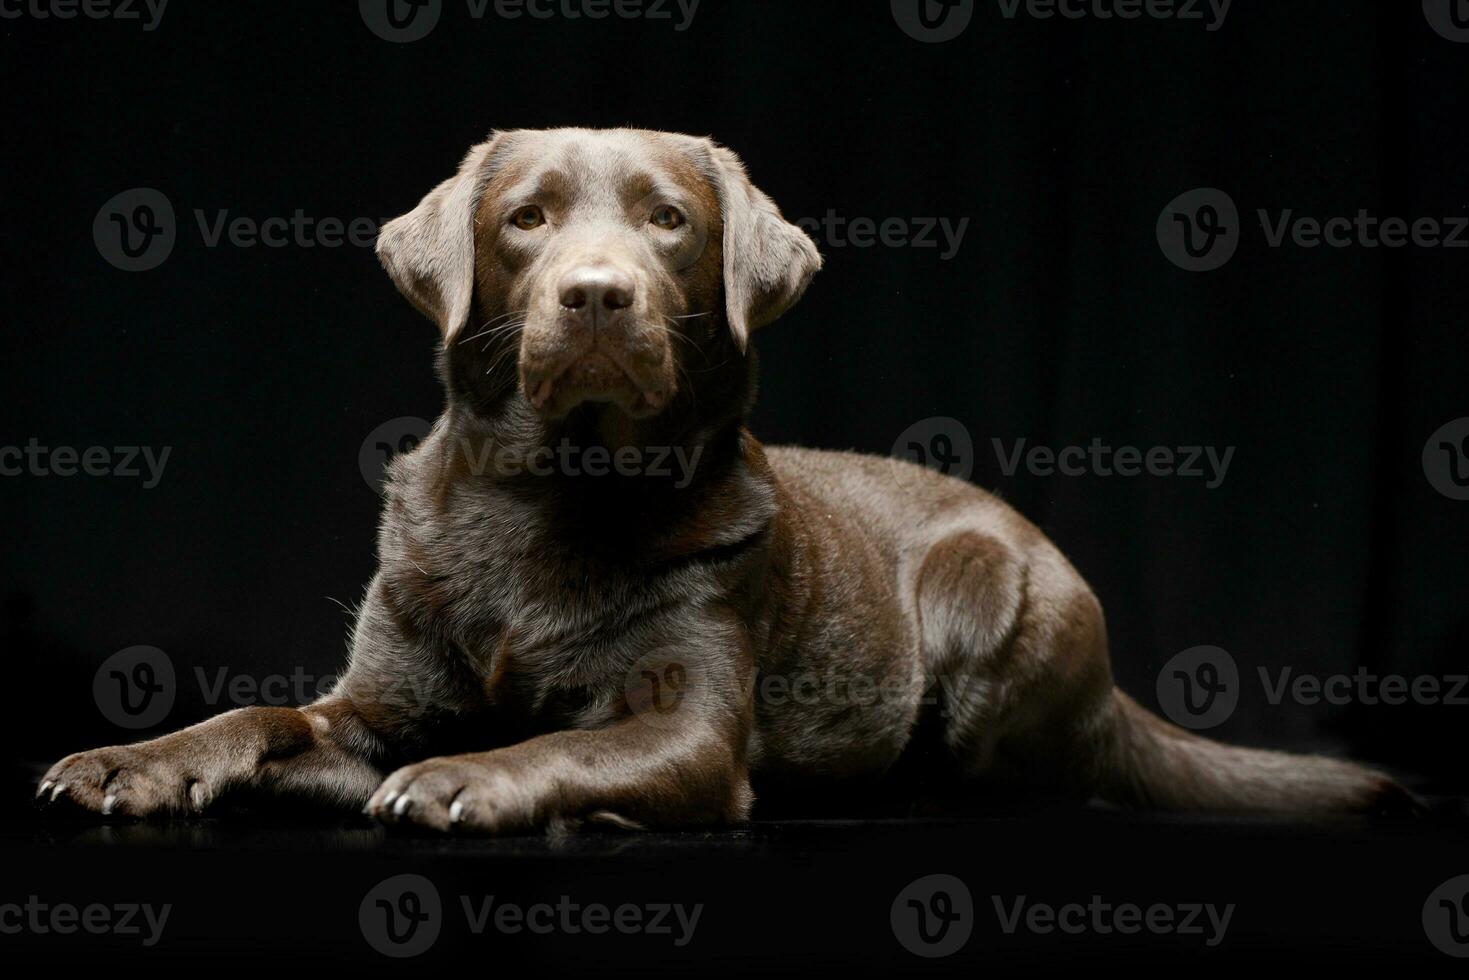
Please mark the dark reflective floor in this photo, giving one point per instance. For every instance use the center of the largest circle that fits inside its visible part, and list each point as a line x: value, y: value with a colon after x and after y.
x: 773, y: 897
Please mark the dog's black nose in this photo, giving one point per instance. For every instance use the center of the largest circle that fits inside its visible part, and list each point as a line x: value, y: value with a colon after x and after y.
x: 596, y: 291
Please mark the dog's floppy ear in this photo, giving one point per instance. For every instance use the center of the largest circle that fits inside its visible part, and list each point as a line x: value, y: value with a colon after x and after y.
x: 429, y: 251
x: 768, y: 262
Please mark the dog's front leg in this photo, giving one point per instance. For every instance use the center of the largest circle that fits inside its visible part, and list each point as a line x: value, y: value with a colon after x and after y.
x: 671, y: 754
x: 321, y: 752
x: 334, y: 751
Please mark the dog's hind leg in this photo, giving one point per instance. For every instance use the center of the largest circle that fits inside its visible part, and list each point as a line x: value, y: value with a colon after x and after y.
x: 1016, y: 657
x: 1016, y: 645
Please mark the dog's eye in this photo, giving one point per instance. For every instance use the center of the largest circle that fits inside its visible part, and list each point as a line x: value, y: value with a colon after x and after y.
x: 527, y: 218
x: 667, y: 218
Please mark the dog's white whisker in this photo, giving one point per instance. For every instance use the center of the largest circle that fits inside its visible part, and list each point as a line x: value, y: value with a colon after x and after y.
x: 340, y: 603
x: 486, y: 328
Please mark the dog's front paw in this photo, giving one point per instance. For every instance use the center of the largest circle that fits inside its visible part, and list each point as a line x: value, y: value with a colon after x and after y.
x: 124, y: 780
x: 462, y: 794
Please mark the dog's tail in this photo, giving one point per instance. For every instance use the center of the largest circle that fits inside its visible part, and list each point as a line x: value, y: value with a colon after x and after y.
x: 1148, y: 763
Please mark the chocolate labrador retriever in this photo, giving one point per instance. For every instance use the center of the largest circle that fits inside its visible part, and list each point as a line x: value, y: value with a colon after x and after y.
x: 567, y: 627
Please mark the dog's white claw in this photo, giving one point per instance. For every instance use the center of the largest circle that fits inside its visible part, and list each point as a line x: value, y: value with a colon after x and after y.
x: 401, y: 807
x: 196, y: 795
x: 108, y: 802
x: 388, y: 800
x: 56, y: 793
x: 45, y: 788
x: 456, y: 811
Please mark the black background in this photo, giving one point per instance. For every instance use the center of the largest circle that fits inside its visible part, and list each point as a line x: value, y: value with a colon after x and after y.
x: 1058, y: 321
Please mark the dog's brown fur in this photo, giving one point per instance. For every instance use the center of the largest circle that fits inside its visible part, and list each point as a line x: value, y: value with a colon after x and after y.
x: 641, y: 649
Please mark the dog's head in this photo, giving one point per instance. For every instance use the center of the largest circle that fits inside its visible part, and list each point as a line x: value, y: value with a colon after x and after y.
x: 597, y: 265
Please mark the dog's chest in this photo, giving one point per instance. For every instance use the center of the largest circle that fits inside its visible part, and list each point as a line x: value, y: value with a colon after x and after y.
x: 547, y: 623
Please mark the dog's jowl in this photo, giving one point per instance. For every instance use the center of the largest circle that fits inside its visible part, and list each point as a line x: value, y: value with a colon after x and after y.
x: 545, y: 646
